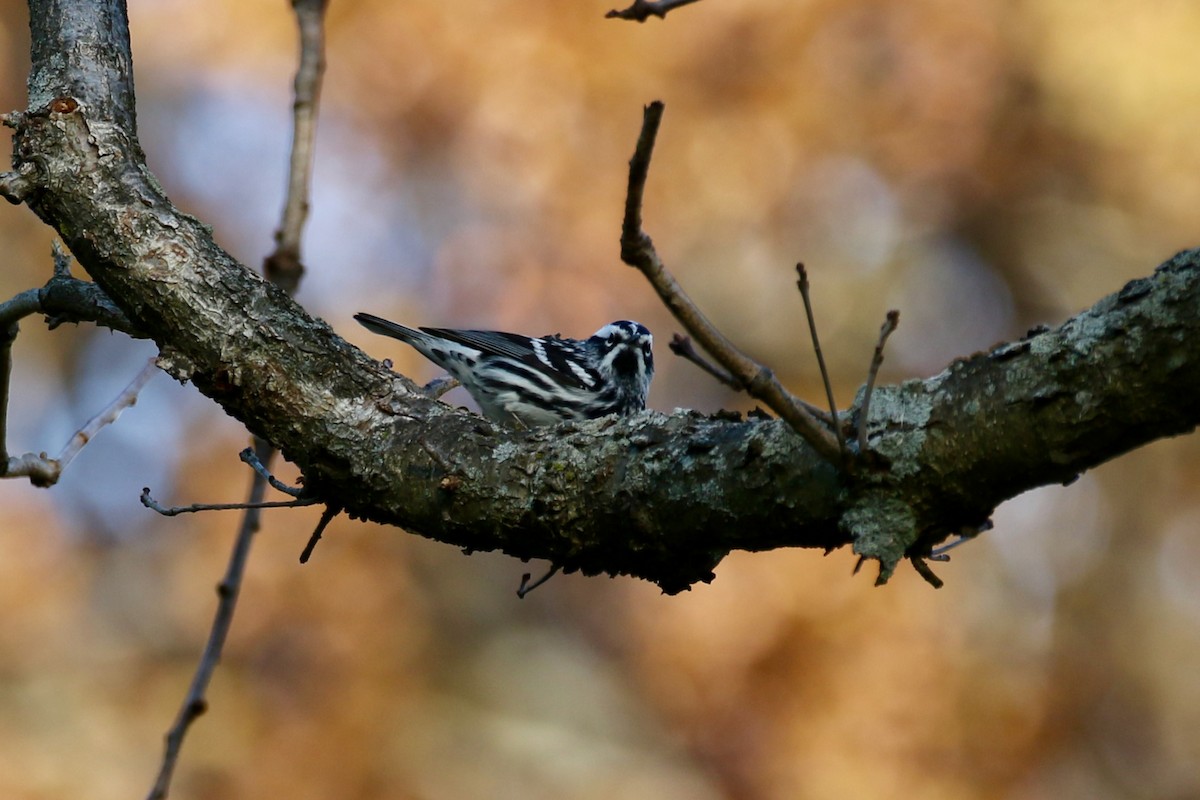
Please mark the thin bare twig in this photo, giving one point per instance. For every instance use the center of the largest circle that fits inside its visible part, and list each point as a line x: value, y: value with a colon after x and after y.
x: 889, y: 325
x: 124, y: 400
x: 285, y: 269
x: 638, y: 251
x: 526, y: 587
x: 248, y: 456
x: 45, y: 471
x: 682, y: 346
x: 964, y: 535
x: 802, y: 283
x: 194, y: 703
x: 174, y: 511
x: 923, y: 569
x: 8, y: 333
x: 641, y: 10
x: 327, y: 516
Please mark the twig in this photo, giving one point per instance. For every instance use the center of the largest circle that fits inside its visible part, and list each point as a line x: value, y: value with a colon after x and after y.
x: 8, y: 333
x: 67, y: 299
x: 124, y: 400
x: 194, y: 702
x: 283, y: 268
x: 641, y: 10
x: 638, y: 251
x: 964, y: 535
x: 44, y: 471
x: 248, y: 456
x: 23, y: 305
x: 526, y: 587
x: 174, y: 511
x: 802, y: 283
x: 327, y: 516
x: 682, y: 346
x: 889, y: 325
x: 925, y: 572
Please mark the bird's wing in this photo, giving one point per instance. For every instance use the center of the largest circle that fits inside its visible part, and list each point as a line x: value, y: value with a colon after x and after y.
x: 547, y: 355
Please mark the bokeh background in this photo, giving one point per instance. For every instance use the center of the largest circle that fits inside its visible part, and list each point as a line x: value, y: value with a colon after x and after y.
x: 982, y: 165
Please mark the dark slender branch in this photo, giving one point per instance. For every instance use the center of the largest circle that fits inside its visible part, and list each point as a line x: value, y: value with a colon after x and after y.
x: 802, y: 283
x: 641, y: 10
x: 923, y: 569
x: 682, y: 346
x: 8, y: 333
x: 638, y: 251
x: 248, y: 456
x: 195, y: 508
x: 12, y: 311
x: 65, y: 299
x: 195, y: 702
x: 327, y: 516
x: 526, y: 587
x: 889, y: 325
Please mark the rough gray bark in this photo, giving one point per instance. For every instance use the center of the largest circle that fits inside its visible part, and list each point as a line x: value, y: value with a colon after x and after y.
x: 663, y: 498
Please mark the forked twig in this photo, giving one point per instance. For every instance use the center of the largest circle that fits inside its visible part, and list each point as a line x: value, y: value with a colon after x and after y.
x: 194, y: 702
x: 66, y: 298
x: 45, y: 471
x: 638, y: 251
x: 174, y: 511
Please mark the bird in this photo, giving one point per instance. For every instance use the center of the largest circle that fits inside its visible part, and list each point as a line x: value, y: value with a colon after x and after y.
x: 539, y: 380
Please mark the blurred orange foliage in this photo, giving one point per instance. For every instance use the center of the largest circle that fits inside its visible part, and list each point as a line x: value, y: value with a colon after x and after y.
x: 982, y: 165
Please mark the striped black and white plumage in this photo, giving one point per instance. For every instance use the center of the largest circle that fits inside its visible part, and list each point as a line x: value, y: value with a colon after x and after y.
x: 539, y: 381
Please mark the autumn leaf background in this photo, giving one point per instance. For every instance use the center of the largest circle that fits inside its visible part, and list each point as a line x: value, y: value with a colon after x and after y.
x: 983, y: 166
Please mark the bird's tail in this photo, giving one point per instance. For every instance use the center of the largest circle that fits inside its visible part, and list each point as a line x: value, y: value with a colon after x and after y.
x: 387, y: 328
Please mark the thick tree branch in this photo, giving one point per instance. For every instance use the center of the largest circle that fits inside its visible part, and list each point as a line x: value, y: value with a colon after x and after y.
x: 664, y: 498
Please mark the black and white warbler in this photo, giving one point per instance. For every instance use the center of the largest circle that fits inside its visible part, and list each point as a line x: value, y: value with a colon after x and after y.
x: 539, y: 381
